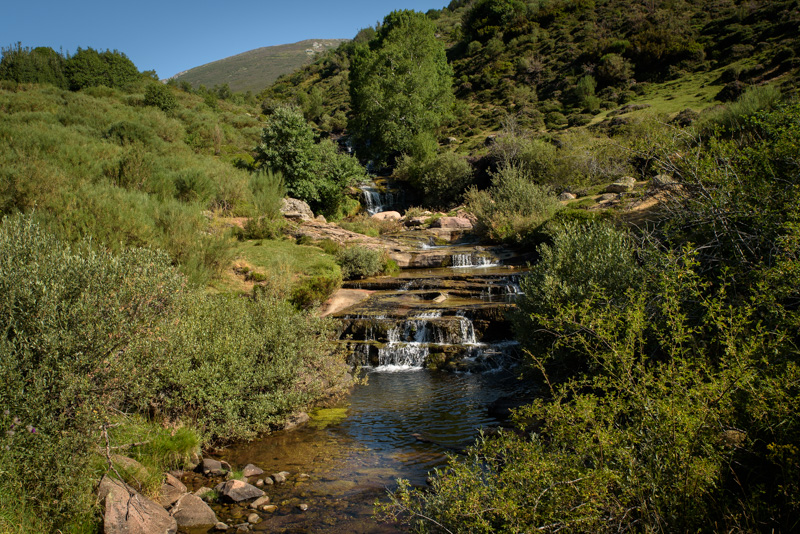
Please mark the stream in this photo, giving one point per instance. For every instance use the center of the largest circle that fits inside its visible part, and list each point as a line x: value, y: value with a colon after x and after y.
x: 435, y: 348
x: 349, y: 456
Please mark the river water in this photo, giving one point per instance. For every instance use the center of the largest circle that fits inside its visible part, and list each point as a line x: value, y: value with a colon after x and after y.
x: 401, y: 424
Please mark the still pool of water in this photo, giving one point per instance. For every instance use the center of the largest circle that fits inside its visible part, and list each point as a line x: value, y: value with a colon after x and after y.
x: 401, y: 424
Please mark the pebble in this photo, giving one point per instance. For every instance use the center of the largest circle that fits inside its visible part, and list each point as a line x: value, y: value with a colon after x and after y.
x: 303, y: 507
x: 253, y: 519
x: 222, y: 527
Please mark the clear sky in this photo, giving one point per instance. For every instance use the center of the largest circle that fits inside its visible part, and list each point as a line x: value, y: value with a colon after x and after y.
x: 170, y: 36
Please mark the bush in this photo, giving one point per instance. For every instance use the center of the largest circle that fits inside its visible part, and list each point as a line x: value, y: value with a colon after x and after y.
x: 72, y: 320
x: 311, y: 292
x: 360, y: 262
x: 160, y: 96
x: 261, y: 228
x: 441, y: 179
x: 513, y: 208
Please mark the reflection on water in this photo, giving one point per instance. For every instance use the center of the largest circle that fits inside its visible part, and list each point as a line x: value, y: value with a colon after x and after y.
x: 401, y: 424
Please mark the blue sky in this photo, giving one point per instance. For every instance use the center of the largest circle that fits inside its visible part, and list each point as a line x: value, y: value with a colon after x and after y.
x: 173, y: 36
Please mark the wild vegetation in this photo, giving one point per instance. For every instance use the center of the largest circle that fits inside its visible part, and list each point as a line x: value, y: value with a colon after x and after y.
x: 668, y: 362
x: 147, y: 285
x: 114, y: 192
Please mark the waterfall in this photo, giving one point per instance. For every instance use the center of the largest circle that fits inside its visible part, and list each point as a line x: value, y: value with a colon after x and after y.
x: 374, y: 200
x: 473, y: 259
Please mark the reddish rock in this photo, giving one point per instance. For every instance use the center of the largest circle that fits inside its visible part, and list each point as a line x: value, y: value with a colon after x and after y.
x: 453, y: 223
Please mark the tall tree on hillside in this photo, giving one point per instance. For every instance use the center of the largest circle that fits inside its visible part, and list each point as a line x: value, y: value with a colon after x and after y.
x: 400, y: 87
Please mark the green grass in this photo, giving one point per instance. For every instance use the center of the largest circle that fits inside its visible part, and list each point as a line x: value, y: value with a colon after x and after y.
x: 286, y: 256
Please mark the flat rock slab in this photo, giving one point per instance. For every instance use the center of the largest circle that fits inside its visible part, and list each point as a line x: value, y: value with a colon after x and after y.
x: 238, y: 491
x: 192, y: 511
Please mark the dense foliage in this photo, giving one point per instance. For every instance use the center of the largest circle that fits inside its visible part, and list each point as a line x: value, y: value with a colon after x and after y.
x: 400, y: 88
x: 87, y: 334
x: 668, y: 368
x: 314, y: 171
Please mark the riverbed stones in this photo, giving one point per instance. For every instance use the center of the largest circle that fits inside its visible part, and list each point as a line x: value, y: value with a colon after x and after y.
x: 171, y: 490
x: 221, y: 527
x: 300, y: 418
x: 251, y: 470
x: 303, y: 507
x: 261, y: 501
x: 269, y: 508
x: 203, y: 492
x: 279, y: 478
x: 254, y: 519
x: 119, y: 499
x: 212, y: 468
x: 191, y: 511
x: 238, y: 491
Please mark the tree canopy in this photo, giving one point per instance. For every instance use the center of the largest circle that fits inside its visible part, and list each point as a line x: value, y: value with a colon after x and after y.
x: 400, y: 87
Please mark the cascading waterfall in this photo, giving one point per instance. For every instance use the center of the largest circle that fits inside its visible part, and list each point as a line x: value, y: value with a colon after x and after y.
x: 473, y: 260
x: 376, y: 201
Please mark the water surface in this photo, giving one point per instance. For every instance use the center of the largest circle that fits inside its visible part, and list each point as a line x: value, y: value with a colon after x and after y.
x: 401, y: 424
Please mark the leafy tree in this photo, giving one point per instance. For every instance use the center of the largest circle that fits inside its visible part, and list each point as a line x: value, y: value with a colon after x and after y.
x: 38, y: 65
x: 89, y: 68
x: 314, y: 172
x: 400, y: 86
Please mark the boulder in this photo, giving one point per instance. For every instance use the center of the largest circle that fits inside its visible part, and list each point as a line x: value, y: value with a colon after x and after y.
x: 128, y: 512
x: 387, y: 216
x: 237, y: 491
x: 171, y: 490
x: 565, y: 196
x: 663, y: 181
x: 130, y: 467
x: 452, y: 223
x: 623, y: 185
x: 192, y: 511
x: 300, y: 418
x: 212, y: 468
x: 607, y: 197
x: 251, y: 471
x: 293, y: 208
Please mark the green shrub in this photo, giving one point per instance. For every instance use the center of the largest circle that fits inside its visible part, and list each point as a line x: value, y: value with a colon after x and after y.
x: 268, y: 191
x: 359, y: 262
x: 441, y: 179
x: 261, y: 228
x: 513, y: 208
x: 72, y: 320
x: 312, y: 291
x: 658, y: 435
x: 160, y: 96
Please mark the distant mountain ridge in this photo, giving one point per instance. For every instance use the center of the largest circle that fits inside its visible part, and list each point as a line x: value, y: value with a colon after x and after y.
x: 256, y: 69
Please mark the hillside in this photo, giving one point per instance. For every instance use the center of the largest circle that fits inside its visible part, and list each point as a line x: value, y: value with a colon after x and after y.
x: 554, y: 65
x: 256, y: 69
